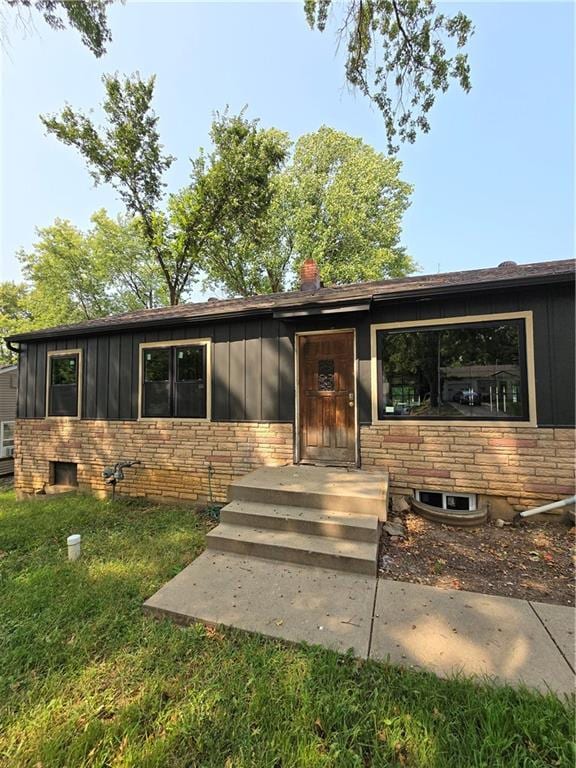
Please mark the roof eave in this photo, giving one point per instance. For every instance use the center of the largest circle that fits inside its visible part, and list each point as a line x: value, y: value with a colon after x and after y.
x: 443, y: 290
x: 288, y: 310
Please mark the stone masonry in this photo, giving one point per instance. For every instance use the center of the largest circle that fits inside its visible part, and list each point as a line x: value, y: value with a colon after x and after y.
x: 515, y: 467
x: 175, y: 455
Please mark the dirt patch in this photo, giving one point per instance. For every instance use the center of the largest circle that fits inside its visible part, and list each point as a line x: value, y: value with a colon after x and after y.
x: 534, y: 561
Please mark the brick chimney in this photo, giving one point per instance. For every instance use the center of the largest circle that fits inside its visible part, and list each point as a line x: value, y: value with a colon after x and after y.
x: 309, y: 276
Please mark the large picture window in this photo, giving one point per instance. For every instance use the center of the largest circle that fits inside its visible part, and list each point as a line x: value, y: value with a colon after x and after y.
x: 474, y: 370
x: 64, y: 383
x: 174, y: 381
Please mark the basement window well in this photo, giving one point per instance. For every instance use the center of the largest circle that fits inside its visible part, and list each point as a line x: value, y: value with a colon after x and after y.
x: 452, y: 502
x: 63, y: 473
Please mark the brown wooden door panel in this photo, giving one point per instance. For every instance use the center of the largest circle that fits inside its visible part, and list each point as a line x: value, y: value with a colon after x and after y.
x: 327, y: 397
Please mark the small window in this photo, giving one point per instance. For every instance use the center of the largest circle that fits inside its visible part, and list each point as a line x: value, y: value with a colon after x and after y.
x: 456, y: 502
x: 174, y: 382
x: 63, y: 384
x: 6, y: 439
x: 326, y: 375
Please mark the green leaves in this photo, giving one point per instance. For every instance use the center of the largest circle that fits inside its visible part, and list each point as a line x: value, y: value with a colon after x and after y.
x: 73, y: 276
x: 126, y: 153
x: 341, y: 203
x: 253, y: 211
x: 86, y: 16
x: 235, y: 186
x: 398, y: 56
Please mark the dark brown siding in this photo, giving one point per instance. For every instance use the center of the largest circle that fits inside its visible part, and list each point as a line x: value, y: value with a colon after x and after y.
x: 253, y: 360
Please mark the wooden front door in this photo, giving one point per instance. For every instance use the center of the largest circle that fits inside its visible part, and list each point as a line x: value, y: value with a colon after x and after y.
x: 327, y: 397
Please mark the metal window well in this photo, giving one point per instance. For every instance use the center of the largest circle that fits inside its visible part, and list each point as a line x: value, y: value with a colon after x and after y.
x: 459, y: 509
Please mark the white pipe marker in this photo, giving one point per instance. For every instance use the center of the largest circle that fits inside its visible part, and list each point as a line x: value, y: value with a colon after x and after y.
x: 74, y: 546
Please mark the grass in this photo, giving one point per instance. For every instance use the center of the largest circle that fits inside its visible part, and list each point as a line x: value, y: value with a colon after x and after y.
x: 87, y: 680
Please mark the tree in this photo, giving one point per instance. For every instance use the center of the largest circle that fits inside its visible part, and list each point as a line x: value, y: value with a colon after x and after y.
x: 236, y: 184
x: 397, y: 55
x: 86, y: 16
x: 127, y: 154
x: 14, y: 315
x: 216, y: 222
x: 74, y: 276
x: 341, y: 203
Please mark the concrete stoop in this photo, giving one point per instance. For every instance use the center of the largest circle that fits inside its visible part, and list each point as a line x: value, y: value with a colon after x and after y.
x: 295, y: 558
x: 313, y: 516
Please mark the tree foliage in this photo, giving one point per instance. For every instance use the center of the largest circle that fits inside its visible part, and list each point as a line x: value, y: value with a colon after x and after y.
x: 72, y: 276
x: 398, y: 55
x: 341, y: 203
x: 14, y: 315
x: 255, y: 206
x: 77, y: 276
x: 236, y: 184
x: 88, y: 17
x: 127, y: 154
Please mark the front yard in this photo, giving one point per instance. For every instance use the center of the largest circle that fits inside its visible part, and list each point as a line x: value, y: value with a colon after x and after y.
x: 87, y: 680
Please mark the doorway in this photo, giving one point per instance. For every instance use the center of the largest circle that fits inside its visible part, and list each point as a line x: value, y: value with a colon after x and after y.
x: 326, y: 397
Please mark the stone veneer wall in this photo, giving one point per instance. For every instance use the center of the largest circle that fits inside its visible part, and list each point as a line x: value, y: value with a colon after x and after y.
x: 517, y: 467
x: 175, y: 454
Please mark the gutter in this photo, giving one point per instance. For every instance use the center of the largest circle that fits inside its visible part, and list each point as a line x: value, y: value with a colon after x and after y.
x: 11, y: 347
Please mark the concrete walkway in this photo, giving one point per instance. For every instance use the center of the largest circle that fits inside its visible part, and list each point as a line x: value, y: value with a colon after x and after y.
x: 444, y: 631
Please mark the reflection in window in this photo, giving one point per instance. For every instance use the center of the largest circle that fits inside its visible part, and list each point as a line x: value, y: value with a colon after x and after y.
x: 174, y: 382
x: 470, y: 371
x: 64, y: 370
x: 326, y: 375
x: 63, y: 391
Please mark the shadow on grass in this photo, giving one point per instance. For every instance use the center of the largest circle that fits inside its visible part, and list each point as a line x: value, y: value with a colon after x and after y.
x: 87, y: 680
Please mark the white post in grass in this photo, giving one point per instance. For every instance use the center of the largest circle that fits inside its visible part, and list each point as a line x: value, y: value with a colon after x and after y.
x: 74, y: 546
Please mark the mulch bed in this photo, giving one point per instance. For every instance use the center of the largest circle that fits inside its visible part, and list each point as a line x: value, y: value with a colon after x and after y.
x: 534, y: 561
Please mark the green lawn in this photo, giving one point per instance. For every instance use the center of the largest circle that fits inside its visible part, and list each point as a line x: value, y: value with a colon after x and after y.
x: 87, y: 680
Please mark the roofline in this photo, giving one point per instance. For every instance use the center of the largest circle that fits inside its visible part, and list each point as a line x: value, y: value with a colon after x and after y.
x: 6, y: 368
x: 308, y: 308
x: 513, y: 282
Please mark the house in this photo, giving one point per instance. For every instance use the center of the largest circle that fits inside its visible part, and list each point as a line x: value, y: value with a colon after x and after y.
x: 460, y: 385
x: 8, y: 392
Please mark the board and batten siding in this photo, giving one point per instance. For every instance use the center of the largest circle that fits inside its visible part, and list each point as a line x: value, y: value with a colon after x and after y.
x: 253, y: 359
x: 252, y: 371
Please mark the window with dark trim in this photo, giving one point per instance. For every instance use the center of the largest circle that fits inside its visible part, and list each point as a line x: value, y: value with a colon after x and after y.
x: 63, y: 376
x: 174, y: 382
x: 458, y: 371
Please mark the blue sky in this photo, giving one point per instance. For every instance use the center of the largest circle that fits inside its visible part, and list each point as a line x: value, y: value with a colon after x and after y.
x: 492, y: 181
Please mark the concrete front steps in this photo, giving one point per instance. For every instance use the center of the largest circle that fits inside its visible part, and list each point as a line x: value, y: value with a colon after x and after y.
x: 313, y: 516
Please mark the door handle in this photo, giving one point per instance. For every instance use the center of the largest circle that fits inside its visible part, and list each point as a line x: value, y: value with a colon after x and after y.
x: 351, y: 399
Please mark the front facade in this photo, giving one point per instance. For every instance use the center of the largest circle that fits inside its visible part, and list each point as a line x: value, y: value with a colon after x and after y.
x: 461, y: 386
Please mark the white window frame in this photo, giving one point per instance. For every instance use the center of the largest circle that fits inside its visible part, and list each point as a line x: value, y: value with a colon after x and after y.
x: 64, y: 353
x: 472, y: 498
x: 3, y: 448
x: 526, y: 316
x: 176, y: 343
